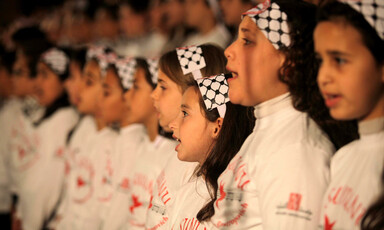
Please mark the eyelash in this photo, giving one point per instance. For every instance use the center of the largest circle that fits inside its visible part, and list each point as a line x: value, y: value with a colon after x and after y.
x: 246, y: 42
x: 185, y: 114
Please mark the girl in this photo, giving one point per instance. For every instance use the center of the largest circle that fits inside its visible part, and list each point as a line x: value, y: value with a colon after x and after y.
x: 117, y: 84
x: 351, y: 80
x: 209, y: 138
x: 167, y: 100
x: 94, y: 144
x: 281, y: 172
x: 41, y: 189
x: 203, y: 15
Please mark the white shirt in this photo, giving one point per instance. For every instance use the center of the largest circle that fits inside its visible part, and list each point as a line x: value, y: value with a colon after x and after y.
x: 356, y: 171
x: 174, y: 175
x: 75, y: 149
x: 153, y: 158
x: 41, y: 188
x: 8, y: 114
x: 126, y: 154
x: 278, y: 178
x: 219, y: 35
x: 84, y: 187
x: 190, y: 199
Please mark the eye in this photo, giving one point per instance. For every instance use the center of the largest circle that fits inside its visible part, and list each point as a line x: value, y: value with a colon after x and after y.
x: 340, y: 61
x: 88, y: 82
x: 246, y: 41
x: 185, y: 114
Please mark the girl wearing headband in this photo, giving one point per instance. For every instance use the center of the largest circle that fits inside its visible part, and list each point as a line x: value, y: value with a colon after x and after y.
x: 42, y: 186
x: 117, y: 84
x: 95, y: 143
x: 351, y: 79
x: 279, y: 176
x: 204, y: 16
x: 211, y: 136
x: 167, y: 100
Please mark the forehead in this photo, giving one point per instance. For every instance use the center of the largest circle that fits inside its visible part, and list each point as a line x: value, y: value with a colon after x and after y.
x: 247, y: 25
x: 190, y: 96
x: 111, y: 76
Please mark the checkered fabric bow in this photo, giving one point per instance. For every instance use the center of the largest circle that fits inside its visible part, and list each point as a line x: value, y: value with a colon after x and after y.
x: 373, y: 12
x: 103, y: 55
x: 215, y: 92
x: 126, y: 68
x: 56, y: 59
x: 153, y: 66
x: 272, y: 22
x: 191, y: 60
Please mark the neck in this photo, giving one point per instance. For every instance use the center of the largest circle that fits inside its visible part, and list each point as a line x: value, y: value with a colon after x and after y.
x: 100, y: 124
x: 125, y: 122
x: 152, y: 127
x: 377, y: 111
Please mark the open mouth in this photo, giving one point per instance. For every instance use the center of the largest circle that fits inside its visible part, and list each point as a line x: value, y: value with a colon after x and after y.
x: 178, y: 140
x: 231, y: 76
x: 331, y: 99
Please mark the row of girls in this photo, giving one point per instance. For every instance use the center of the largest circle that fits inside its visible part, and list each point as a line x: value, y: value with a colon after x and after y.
x: 283, y: 130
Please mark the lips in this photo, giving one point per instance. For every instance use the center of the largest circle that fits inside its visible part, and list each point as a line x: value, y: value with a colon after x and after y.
x: 331, y: 100
x: 177, y: 139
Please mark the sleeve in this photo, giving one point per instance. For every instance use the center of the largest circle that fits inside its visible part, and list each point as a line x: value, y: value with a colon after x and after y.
x: 292, y: 183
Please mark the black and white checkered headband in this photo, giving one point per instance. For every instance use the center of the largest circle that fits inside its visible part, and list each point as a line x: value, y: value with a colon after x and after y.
x: 126, y: 68
x: 153, y: 67
x: 56, y: 59
x: 103, y: 56
x: 272, y: 22
x: 215, y: 93
x: 191, y: 60
x: 373, y: 12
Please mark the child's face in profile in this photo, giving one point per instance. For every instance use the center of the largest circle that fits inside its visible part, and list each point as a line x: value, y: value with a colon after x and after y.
x: 350, y: 79
x: 255, y: 66
x: 22, y: 82
x: 73, y: 83
x: 91, y: 91
x: 140, y: 105
x: 48, y: 86
x: 113, y: 108
x: 167, y: 99
x: 194, y: 132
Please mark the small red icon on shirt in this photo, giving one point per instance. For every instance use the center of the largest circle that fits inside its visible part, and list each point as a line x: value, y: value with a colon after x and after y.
x: 222, y: 194
x: 80, y: 182
x: 136, y: 203
x: 294, y: 201
x: 327, y: 224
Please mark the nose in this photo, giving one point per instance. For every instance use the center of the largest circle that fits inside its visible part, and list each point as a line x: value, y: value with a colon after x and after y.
x: 154, y: 94
x: 174, y: 125
x: 324, y: 75
x: 229, y: 54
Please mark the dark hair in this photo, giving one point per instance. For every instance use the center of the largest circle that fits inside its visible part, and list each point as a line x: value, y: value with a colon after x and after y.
x: 139, y: 7
x: 7, y: 59
x: 214, y: 59
x: 32, y: 42
x: 374, y: 217
x: 231, y: 137
x: 79, y: 56
x: 110, y: 9
x: 299, y: 72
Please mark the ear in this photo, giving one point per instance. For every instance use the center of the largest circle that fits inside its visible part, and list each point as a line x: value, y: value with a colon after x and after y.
x: 217, y: 127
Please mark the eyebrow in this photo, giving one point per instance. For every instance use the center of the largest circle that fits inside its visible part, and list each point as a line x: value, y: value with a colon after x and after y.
x: 161, y: 81
x: 337, y: 53
x: 184, y: 106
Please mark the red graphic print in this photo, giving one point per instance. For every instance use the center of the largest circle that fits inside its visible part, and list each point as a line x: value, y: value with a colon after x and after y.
x: 125, y: 183
x: 21, y: 153
x: 150, y: 202
x: 222, y: 194
x: 294, y: 201
x: 327, y: 224
x: 80, y: 182
x: 136, y: 203
x: 190, y: 224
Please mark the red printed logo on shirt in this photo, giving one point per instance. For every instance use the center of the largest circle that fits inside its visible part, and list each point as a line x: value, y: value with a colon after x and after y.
x: 327, y: 224
x: 294, y: 201
x: 136, y: 203
x: 190, y: 224
x: 222, y: 194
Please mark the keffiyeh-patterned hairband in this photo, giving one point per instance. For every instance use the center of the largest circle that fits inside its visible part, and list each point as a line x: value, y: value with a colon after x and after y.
x: 215, y: 93
x: 373, y: 12
x: 126, y: 68
x: 153, y: 67
x: 272, y: 22
x: 103, y: 55
x: 56, y: 59
x: 191, y: 60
